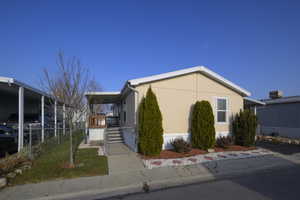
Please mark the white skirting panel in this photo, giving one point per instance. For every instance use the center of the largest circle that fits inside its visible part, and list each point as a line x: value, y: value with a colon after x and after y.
x: 96, y: 134
x: 169, y: 137
x: 130, y: 138
x: 222, y: 134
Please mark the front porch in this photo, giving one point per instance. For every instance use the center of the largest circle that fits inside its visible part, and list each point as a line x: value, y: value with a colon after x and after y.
x: 106, y: 120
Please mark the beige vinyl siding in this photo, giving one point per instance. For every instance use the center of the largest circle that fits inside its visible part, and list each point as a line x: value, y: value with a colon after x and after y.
x: 177, y: 95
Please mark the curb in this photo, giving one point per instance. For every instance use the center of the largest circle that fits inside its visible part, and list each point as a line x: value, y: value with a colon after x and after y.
x: 157, y: 185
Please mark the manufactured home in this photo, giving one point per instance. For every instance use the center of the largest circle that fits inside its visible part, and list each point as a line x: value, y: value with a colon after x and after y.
x: 176, y: 93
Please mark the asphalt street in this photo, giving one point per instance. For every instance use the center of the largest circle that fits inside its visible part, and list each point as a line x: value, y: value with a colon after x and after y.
x: 268, y: 184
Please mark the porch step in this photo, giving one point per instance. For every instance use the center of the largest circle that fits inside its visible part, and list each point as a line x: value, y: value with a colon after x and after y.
x: 114, y: 135
x: 112, y: 142
x: 112, y: 129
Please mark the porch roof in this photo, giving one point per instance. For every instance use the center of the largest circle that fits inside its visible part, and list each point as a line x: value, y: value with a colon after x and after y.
x: 253, y: 102
x: 103, y: 97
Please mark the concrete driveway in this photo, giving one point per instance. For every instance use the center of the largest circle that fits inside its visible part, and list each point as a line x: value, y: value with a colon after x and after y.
x: 285, y: 149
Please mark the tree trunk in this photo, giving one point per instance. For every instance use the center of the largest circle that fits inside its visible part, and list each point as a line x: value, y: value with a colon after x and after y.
x: 71, y: 147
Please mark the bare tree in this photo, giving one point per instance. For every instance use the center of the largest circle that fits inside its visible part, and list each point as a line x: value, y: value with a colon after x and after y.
x: 68, y: 85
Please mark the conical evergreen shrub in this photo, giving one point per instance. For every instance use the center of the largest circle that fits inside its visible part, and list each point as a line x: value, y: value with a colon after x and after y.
x: 142, y: 139
x: 202, y: 127
x: 150, y: 125
x: 244, y: 128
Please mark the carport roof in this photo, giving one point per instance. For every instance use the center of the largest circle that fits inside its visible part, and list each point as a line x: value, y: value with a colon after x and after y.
x: 251, y: 101
x: 14, y: 82
x: 20, y: 84
x: 103, y: 97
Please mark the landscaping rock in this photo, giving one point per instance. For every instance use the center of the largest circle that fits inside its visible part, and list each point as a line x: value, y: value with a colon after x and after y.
x: 18, y: 171
x: 11, y: 175
x: 3, y: 182
x: 26, y: 167
x: 210, y: 150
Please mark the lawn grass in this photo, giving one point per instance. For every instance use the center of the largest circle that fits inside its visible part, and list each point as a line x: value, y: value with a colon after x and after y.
x: 51, y: 165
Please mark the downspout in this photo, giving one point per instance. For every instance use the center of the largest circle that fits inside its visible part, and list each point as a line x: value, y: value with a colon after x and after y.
x: 136, y: 112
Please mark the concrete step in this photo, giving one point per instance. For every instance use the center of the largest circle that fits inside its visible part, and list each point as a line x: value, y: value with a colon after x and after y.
x: 113, y: 129
x: 115, y: 133
x: 112, y: 132
x: 121, y: 141
x: 115, y: 137
x: 112, y: 142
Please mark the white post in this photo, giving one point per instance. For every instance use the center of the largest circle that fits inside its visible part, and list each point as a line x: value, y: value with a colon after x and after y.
x: 55, y: 118
x: 254, y: 110
x: 43, y: 118
x: 86, y: 122
x: 64, y: 119
x: 30, y: 141
x: 21, y: 119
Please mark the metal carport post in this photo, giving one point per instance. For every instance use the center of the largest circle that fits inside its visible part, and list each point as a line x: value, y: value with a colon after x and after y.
x: 43, y: 117
x: 21, y: 119
x: 55, y: 118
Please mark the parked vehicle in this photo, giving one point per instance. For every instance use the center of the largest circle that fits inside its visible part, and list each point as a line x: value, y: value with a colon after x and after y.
x: 6, y: 132
x: 8, y: 140
x: 13, y: 119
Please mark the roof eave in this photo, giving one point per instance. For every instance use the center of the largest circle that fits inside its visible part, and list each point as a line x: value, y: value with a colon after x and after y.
x: 254, y: 101
x: 203, y: 69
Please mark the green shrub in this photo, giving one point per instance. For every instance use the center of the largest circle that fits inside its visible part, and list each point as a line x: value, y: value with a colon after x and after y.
x: 181, y: 146
x: 150, y: 125
x: 202, y: 127
x: 244, y: 128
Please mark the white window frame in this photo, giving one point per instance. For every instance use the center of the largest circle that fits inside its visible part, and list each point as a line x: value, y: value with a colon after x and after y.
x: 227, y: 110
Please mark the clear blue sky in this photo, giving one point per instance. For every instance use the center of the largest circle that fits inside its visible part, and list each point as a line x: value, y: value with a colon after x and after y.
x: 255, y: 44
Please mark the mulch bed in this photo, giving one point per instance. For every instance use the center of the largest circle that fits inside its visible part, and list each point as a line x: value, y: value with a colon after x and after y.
x: 166, y: 154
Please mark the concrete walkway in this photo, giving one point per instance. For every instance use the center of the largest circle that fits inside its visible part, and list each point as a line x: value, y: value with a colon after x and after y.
x: 121, y: 159
x: 132, y: 181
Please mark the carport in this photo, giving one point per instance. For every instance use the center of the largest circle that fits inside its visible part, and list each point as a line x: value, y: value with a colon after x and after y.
x: 19, y: 98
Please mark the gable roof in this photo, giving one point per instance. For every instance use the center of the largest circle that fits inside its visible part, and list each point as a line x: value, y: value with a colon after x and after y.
x: 201, y: 69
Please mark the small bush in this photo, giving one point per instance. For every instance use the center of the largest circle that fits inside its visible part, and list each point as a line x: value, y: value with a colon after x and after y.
x: 225, y: 141
x: 150, y: 125
x: 203, y: 126
x: 244, y: 128
x: 181, y: 146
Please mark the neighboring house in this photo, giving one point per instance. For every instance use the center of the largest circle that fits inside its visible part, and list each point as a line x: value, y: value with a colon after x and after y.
x: 280, y: 115
x: 176, y: 93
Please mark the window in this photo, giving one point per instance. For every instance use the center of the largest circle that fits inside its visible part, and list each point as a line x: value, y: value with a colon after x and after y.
x: 222, y: 109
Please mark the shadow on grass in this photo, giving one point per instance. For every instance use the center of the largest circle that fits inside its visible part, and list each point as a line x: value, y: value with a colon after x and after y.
x: 51, y: 165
